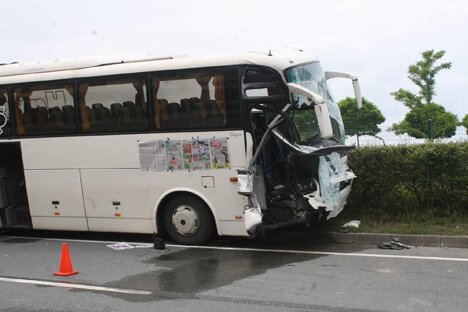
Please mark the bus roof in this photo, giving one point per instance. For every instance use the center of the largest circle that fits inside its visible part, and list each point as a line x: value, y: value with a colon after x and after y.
x: 103, y: 66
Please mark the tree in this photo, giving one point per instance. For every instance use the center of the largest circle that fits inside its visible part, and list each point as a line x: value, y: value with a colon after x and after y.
x: 422, y: 110
x: 416, y: 122
x: 362, y: 121
x: 464, y: 123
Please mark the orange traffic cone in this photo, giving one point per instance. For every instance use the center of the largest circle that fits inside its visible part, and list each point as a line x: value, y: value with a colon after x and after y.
x: 65, y: 267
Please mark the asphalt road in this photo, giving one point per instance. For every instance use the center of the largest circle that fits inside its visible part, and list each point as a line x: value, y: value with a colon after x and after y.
x: 231, y: 275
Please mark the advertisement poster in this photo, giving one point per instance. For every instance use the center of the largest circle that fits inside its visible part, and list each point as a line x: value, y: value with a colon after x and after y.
x: 201, y: 154
x: 194, y: 154
x: 187, y: 154
x: 219, y: 153
x: 147, y: 152
x: 160, y: 155
x: 174, y: 155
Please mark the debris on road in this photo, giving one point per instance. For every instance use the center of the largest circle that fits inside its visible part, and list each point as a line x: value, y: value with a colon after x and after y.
x: 394, y: 244
x: 352, y: 224
x: 125, y: 246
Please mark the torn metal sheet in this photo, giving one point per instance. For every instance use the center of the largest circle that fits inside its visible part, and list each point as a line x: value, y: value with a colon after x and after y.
x: 253, y: 217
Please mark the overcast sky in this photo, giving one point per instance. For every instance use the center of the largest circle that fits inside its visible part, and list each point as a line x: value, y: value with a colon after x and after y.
x: 374, y: 40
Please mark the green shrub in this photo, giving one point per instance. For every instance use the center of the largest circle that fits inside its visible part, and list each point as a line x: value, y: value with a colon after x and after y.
x: 410, y: 182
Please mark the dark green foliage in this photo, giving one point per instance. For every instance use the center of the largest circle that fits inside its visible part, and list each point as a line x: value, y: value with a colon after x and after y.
x: 404, y: 182
x: 362, y: 121
x: 415, y: 124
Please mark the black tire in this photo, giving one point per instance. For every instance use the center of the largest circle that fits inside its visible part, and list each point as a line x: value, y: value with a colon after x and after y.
x: 188, y: 220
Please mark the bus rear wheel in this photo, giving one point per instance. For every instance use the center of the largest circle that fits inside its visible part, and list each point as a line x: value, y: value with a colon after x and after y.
x: 188, y: 220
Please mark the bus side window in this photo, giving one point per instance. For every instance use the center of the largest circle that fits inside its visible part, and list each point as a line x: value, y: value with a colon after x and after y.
x: 5, y: 123
x: 189, y: 101
x: 108, y: 106
x: 40, y: 110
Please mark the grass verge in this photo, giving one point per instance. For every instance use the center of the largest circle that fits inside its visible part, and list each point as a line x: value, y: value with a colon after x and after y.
x: 423, y: 225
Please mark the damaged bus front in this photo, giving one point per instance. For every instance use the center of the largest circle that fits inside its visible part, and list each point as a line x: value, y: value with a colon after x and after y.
x: 298, y: 170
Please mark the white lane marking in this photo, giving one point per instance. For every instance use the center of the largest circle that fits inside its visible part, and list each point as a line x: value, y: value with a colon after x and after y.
x: 290, y: 251
x: 327, y: 253
x: 78, y: 286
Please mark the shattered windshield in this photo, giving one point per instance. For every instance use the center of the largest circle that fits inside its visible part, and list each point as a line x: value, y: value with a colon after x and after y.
x: 311, y: 76
x: 307, y: 125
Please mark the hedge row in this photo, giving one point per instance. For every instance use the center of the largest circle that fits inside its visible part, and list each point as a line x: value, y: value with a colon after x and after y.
x: 395, y: 181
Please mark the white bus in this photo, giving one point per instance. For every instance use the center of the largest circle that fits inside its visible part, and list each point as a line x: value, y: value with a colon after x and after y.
x: 191, y: 148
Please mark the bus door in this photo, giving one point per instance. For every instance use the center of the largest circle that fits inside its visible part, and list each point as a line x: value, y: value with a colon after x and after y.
x: 14, y: 208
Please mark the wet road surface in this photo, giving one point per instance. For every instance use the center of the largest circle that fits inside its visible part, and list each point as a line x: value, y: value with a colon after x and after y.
x: 232, y: 275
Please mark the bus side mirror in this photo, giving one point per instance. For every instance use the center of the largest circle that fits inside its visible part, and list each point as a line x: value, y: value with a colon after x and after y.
x: 354, y: 79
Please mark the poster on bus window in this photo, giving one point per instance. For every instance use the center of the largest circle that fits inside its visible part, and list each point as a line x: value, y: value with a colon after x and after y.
x: 219, y: 153
x: 174, y: 155
x: 201, y: 154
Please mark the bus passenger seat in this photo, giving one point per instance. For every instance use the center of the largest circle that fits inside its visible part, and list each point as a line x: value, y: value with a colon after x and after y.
x: 200, y: 107
x: 55, y: 114
x: 102, y: 113
x: 42, y: 115
x: 116, y: 112
x: 173, y: 116
x: 189, y: 113
x: 140, y: 113
x: 68, y: 114
x: 132, y: 112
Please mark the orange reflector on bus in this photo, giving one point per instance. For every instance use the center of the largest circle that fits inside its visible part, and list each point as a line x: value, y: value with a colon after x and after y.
x: 117, y: 214
x: 238, y: 217
x: 233, y: 179
x: 56, y: 213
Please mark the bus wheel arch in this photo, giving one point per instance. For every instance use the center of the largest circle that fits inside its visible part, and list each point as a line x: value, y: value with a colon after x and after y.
x: 186, y: 218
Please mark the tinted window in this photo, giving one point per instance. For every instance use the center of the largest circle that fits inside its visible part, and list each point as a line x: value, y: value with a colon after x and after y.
x: 44, y: 109
x: 190, y: 101
x: 5, y: 127
x: 110, y: 106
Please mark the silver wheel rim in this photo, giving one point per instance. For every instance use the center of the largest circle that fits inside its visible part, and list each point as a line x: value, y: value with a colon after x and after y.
x: 185, y: 220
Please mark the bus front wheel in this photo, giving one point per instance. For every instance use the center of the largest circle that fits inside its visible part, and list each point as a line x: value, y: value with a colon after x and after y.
x: 188, y: 220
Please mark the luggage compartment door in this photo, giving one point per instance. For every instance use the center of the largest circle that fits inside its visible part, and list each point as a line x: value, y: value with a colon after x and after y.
x: 56, y: 200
